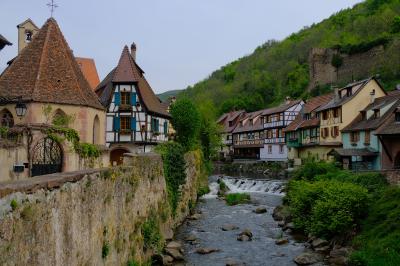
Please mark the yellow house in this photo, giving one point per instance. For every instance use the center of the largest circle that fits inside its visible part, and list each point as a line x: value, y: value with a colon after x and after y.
x: 44, y: 84
x: 344, y: 107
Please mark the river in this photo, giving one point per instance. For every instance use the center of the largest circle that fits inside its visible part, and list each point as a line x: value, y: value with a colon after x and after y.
x: 215, y: 213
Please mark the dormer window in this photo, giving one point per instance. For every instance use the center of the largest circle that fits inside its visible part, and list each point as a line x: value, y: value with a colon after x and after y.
x: 230, y: 123
x: 251, y: 122
x: 363, y: 115
x: 241, y: 123
x: 349, y: 92
x: 376, y: 113
x: 397, y: 116
x: 28, y: 36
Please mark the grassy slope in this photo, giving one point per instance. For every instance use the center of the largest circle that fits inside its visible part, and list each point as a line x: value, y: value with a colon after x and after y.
x: 165, y: 95
x: 278, y: 69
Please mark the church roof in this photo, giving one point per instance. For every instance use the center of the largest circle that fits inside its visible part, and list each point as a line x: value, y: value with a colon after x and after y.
x: 89, y: 70
x: 46, y: 71
x: 127, y: 71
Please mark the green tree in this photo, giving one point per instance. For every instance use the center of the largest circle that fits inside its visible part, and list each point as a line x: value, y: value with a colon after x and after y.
x: 210, y: 139
x: 186, y: 122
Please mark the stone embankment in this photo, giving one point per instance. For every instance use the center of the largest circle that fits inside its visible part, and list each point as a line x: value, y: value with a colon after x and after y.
x: 96, y: 217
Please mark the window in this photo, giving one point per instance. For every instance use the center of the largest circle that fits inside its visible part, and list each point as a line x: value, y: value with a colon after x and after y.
x: 125, y: 123
x: 397, y: 116
x: 281, y: 149
x: 324, y: 115
x: 28, y: 36
x: 367, y: 139
x: 354, y: 137
x: 376, y: 113
x: 251, y: 122
x: 335, y: 131
x: 125, y: 98
x: 349, y: 92
x: 230, y: 123
x: 324, y: 132
x: 166, y: 128
x: 336, y: 112
x: 6, y: 118
x: 363, y: 115
x: 155, y: 126
x: 269, y: 149
x: 96, y: 130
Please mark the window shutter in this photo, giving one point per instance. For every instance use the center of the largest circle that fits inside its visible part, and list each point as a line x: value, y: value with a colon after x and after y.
x: 117, y: 123
x: 117, y: 98
x: 133, y: 123
x: 133, y: 98
x: 157, y: 125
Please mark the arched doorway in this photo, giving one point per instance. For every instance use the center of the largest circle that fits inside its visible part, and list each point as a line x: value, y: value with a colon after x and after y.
x: 116, y: 156
x: 397, y: 161
x: 7, y: 119
x: 47, y: 157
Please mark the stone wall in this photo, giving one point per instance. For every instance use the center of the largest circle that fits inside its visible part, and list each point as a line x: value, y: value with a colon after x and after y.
x: 355, y: 67
x: 392, y: 176
x: 91, y: 217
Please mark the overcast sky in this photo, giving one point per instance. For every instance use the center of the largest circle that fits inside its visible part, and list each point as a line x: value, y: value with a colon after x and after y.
x: 180, y: 42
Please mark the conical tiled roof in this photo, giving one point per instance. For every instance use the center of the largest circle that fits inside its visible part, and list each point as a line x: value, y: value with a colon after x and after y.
x: 46, y: 71
x: 127, y: 71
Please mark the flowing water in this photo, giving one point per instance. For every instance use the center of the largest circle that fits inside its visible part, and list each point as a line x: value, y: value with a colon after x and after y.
x: 262, y: 250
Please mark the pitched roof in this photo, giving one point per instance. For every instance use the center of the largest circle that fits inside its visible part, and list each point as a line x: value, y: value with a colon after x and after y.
x: 356, y: 87
x: 3, y: 41
x: 354, y: 152
x: 127, y: 71
x: 229, y: 117
x: 390, y: 126
x: 89, y: 70
x: 373, y: 123
x: 280, y: 108
x: 26, y: 21
x: 247, y: 126
x: 46, y: 71
x: 311, y: 105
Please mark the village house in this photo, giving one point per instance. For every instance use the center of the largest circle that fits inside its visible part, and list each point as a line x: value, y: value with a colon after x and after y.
x: 228, y: 123
x: 136, y: 118
x: 345, y: 106
x: 362, y: 149
x: 274, y: 121
x: 41, y: 88
x: 389, y: 136
x: 303, y: 134
x: 248, y: 136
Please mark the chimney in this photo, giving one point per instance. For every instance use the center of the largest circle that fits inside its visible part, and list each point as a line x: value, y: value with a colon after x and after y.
x: 133, y: 51
x: 372, y: 95
x: 287, y: 100
x: 336, y: 91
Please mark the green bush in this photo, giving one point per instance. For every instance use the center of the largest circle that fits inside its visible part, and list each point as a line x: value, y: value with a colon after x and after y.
x: 326, y: 208
x: 310, y: 169
x: 237, y: 198
x: 105, y: 250
x: 151, y: 234
x: 14, y: 204
x: 174, y: 169
x: 378, y: 243
x: 222, y: 188
x: 203, y: 190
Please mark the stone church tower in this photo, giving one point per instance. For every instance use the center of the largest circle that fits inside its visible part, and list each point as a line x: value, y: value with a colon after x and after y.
x: 26, y: 31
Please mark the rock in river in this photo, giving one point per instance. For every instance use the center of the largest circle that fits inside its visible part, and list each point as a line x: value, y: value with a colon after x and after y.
x: 260, y: 210
x: 191, y: 238
x: 174, y: 253
x: 195, y: 216
x: 281, y: 241
x: 229, y: 227
x: 204, y: 251
x: 232, y: 262
x: 308, y: 258
x: 318, y: 243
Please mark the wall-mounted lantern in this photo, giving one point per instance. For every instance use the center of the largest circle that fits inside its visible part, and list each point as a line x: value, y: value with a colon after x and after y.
x: 20, y: 109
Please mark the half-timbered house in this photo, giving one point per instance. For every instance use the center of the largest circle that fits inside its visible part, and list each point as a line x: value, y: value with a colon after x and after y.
x: 136, y: 118
x: 274, y: 122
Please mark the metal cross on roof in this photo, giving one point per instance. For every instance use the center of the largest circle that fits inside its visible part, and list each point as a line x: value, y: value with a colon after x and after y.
x: 52, y: 7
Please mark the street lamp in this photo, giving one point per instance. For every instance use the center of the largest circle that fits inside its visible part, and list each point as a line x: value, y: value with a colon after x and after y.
x: 20, y: 109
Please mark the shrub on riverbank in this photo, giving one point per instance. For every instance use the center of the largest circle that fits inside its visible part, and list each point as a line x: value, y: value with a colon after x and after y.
x: 237, y: 198
x: 379, y: 240
x: 326, y: 208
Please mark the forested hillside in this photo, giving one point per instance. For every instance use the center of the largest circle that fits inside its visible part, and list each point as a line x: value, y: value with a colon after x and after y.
x: 278, y: 69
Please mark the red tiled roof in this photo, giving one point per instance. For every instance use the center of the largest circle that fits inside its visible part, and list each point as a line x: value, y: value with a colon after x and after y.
x: 280, y: 108
x: 247, y: 127
x: 230, y: 117
x: 46, y: 71
x: 127, y: 71
x: 89, y: 70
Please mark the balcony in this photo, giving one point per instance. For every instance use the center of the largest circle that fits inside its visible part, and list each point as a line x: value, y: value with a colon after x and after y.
x: 249, y: 142
x: 274, y: 124
x: 275, y: 140
x: 331, y: 121
x: 313, y: 140
x: 294, y: 143
x: 227, y: 142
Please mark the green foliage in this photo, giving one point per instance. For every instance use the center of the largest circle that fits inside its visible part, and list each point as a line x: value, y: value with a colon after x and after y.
x: 395, y: 25
x: 174, y: 170
x: 105, y: 250
x: 203, y: 190
x: 151, y: 234
x: 222, y: 188
x: 378, y: 243
x: 326, y: 208
x: 337, y: 60
x: 186, y: 122
x: 278, y: 69
x: 210, y: 139
x: 310, y: 169
x: 87, y: 150
x: 3, y: 132
x: 14, y: 204
x: 237, y: 198
x: 63, y: 120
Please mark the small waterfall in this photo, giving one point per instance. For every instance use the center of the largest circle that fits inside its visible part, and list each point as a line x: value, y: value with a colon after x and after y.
x: 247, y: 185
x: 254, y: 185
